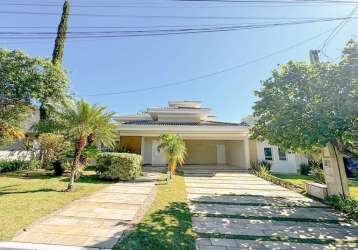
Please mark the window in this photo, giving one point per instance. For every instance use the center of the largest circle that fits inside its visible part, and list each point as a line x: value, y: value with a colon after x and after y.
x: 268, y: 154
x: 282, y: 155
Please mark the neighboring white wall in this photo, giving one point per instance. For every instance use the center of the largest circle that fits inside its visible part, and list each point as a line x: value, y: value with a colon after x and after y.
x: 235, y: 153
x: 290, y: 165
x: 15, y: 155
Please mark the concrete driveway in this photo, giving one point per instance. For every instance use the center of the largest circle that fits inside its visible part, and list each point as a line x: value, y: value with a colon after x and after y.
x: 232, y: 209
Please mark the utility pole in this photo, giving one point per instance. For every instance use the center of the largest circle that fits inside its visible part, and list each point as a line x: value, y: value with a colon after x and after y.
x: 314, y: 56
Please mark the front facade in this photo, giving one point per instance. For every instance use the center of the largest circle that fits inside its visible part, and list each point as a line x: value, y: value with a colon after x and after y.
x: 208, y: 142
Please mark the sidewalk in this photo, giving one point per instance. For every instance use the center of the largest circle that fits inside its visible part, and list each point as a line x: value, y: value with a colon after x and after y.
x: 94, y: 222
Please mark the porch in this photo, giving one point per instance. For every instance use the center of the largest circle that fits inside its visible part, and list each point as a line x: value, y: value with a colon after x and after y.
x: 213, y: 153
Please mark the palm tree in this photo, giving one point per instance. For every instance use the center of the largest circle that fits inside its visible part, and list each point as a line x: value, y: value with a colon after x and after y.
x: 82, y: 121
x: 174, y: 151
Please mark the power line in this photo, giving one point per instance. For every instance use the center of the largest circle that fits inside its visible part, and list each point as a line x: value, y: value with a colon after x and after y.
x: 200, y: 77
x: 150, y: 32
x: 267, y: 4
x: 266, y: 1
x: 338, y: 28
x: 213, y: 25
x: 159, y: 16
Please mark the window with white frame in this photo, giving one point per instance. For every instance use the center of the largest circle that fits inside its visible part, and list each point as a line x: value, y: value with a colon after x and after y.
x: 268, y: 154
x: 282, y: 154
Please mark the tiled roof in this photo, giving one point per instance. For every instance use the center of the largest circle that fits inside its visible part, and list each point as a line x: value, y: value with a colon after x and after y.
x: 175, y: 108
x: 201, y: 123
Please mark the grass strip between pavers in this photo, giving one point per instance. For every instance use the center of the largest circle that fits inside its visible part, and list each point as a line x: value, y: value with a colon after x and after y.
x: 255, y: 204
x: 277, y: 238
x: 238, y: 216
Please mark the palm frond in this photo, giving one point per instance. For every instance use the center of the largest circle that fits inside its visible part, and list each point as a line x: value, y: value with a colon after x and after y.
x: 173, y: 148
x: 83, y: 119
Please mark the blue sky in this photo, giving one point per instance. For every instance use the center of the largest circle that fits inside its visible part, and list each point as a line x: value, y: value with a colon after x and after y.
x: 119, y: 64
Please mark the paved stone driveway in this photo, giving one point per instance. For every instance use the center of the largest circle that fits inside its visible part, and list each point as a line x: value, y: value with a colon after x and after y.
x: 95, y: 222
x: 234, y: 210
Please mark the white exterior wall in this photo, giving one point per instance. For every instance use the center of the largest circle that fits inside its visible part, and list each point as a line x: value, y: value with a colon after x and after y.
x: 290, y: 165
x: 16, y: 155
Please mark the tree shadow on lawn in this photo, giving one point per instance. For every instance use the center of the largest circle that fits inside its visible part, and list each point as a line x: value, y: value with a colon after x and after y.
x: 30, y: 174
x: 89, y: 179
x: 168, y: 228
x: 30, y: 191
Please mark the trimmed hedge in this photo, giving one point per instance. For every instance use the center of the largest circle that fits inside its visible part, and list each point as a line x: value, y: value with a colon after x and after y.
x: 119, y: 166
x: 18, y: 165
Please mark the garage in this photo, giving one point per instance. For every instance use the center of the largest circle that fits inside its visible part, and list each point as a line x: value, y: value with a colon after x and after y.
x: 215, y: 152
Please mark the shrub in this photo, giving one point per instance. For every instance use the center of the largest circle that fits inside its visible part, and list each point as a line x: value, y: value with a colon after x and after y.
x: 265, y: 164
x: 305, y: 169
x: 51, y: 146
x: 89, y: 153
x: 119, y: 166
x: 260, y: 168
x: 348, y: 206
x: 18, y: 165
x: 318, y: 175
x: 254, y: 166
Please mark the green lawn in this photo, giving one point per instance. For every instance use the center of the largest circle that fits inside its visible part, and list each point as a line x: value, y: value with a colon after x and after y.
x: 27, y: 196
x: 300, y: 179
x: 167, y: 224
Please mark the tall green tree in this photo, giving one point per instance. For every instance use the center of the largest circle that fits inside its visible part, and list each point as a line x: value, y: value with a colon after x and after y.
x: 81, y: 121
x: 303, y: 107
x: 25, y: 81
x: 174, y: 150
x: 58, y: 50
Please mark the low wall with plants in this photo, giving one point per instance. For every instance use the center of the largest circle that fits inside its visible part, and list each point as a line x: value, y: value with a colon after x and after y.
x: 264, y: 173
x: 119, y: 166
x: 346, y: 205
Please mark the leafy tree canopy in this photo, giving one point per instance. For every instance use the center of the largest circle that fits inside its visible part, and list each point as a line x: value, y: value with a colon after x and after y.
x: 302, y: 107
x: 23, y: 82
x: 24, y: 79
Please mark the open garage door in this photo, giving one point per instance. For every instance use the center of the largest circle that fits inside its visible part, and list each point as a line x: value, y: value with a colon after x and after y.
x: 215, y: 152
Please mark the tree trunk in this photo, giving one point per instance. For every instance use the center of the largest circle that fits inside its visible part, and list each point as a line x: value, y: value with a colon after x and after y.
x: 43, y: 112
x: 171, y: 170
x: 79, y: 145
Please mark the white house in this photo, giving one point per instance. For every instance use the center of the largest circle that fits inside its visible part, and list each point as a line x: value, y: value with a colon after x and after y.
x: 208, y: 142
